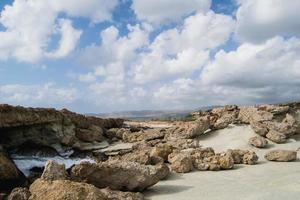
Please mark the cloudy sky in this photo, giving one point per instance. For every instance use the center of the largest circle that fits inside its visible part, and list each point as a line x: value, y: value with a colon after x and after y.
x: 112, y: 55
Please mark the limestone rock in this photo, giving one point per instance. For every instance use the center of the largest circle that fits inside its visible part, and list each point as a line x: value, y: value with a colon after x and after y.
x: 150, y: 134
x: 181, y: 162
x: 259, y: 127
x: 68, y: 190
x: 243, y: 156
x: 19, y: 194
x: 54, y: 171
x: 188, y: 130
x: 92, y: 134
x: 184, y: 143
x: 258, y: 141
x: 276, y: 136
x: 275, y: 109
x: 250, y: 158
x: 130, y: 176
x: 281, y: 155
x: 162, y: 150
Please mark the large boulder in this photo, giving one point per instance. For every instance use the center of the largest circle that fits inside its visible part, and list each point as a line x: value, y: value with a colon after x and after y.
x: 10, y: 176
x: 188, y: 130
x: 281, y: 155
x: 68, y: 190
x: 118, y: 175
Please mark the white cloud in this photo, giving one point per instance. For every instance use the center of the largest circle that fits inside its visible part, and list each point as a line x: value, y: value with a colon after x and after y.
x: 259, y: 20
x: 182, y: 50
x: 36, y: 95
x: 29, y: 25
x: 89, y: 77
x: 267, y: 72
x: 115, y: 48
x: 161, y: 11
x: 68, y: 41
x: 96, y: 10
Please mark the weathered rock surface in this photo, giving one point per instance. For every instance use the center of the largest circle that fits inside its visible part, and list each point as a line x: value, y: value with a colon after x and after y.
x: 276, y: 136
x: 118, y: 175
x: 258, y: 141
x: 68, y: 190
x: 54, y: 171
x: 181, y: 162
x: 47, y: 127
x: 259, y: 127
x: 188, y: 130
x: 19, y: 194
x: 162, y: 150
x: 10, y: 176
x: 281, y: 155
x: 243, y: 156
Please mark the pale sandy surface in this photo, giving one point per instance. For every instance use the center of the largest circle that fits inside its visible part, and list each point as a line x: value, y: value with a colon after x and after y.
x: 266, y: 180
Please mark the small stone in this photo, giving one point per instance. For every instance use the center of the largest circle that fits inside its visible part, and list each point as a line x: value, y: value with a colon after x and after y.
x: 258, y: 141
x: 250, y: 158
x: 281, y: 155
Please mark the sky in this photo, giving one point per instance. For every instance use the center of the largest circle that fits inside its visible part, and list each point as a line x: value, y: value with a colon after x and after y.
x: 95, y: 56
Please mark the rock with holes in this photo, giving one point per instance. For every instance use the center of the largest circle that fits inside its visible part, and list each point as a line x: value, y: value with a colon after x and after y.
x: 281, y: 155
x: 118, y: 174
x: 276, y: 136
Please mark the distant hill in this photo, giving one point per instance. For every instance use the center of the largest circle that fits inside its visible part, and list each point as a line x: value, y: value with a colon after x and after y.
x: 150, y: 114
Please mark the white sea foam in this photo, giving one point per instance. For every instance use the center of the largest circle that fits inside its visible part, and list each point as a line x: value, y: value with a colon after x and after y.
x: 25, y: 163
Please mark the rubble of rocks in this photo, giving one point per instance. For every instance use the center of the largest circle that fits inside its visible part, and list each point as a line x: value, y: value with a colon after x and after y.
x: 131, y: 158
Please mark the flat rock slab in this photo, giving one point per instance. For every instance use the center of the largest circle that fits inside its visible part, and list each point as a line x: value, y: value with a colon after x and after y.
x: 115, y: 148
x: 266, y: 180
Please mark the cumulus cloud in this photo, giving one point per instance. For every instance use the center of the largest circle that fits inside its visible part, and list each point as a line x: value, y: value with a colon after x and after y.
x: 182, y: 50
x: 69, y: 39
x: 259, y: 20
x: 29, y: 25
x: 36, y: 95
x: 162, y: 11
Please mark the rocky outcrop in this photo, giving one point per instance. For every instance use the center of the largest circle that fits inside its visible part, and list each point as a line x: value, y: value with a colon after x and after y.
x: 48, y: 127
x: 281, y: 155
x: 118, y: 175
x: 10, y: 176
x: 258, y: 141
x: 68, y: 190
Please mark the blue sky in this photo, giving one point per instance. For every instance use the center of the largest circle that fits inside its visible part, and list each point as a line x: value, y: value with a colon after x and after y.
x: 112, y: 55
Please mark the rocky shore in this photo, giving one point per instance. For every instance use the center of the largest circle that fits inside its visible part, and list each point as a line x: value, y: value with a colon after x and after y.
x: 123, y: 160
